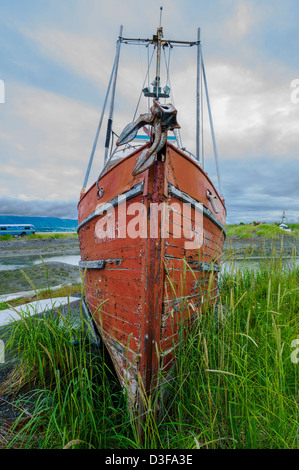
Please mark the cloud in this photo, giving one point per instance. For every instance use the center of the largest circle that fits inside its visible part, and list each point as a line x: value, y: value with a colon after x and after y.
x: 85, y: 56
x: 38, y: 208
x: 46, y: 140
x: 251, y: 106
x: 92, y: 58
x: 260, y: 191
x: 243, y: 20
x: 252, y: 113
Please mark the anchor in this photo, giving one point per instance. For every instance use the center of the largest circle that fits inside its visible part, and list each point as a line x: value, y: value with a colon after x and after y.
x: 163, y: 119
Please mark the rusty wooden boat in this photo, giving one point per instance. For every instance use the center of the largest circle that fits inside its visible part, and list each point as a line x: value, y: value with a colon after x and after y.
x: 151, y: 231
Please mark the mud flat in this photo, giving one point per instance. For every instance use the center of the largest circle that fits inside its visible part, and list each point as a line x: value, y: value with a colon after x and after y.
x: 51, y: 274
x: 48, y: 246
x: 41, y: 277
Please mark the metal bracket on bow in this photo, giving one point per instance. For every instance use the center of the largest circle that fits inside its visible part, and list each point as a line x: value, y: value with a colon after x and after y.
x: 212, y: 198
x: 163, y: 119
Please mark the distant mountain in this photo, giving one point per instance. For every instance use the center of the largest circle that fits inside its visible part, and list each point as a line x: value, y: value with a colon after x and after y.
x: 42, y: 224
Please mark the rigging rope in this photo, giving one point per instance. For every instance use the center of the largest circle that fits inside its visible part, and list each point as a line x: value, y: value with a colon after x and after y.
x: 211, y: 126
x: 167, y: 65
x: 176, y: 132
x: 201, y: 120
x: 146, y: 77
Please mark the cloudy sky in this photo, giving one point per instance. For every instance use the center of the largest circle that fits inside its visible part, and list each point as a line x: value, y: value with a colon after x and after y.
x: 56, y: 59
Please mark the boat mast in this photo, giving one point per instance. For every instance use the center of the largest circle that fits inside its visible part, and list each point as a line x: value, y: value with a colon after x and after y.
x: 198, y: 88
x: 159, y: 47
x: 156, y: 92
x: 110, y: 119
x: 113, y: 75
x: 212, y: 127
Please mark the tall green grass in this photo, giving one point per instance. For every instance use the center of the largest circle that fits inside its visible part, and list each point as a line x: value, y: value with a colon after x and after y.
x: 41, y: 236
x: 263, y: 231
x: 64, y: 385
x: 237, y: 385
x: 6, y: 237
x: 233, y: 384
x: 49, y: 235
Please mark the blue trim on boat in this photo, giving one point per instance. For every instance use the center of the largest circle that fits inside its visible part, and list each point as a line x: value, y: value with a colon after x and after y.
x: 147, y: 137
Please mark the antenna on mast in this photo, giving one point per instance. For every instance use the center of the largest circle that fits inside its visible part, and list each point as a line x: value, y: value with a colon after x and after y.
x: 157, y: 92
x: 161, y: 11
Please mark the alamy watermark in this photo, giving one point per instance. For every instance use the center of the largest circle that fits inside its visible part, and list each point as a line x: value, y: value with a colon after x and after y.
x: 135, y: 220
x: 2, y: 92
x: 295, y: 92
x: 295, y: 353
x: 2, y: 352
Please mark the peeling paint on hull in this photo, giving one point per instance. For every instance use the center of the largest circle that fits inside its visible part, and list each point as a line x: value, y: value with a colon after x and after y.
x: 141, y: 290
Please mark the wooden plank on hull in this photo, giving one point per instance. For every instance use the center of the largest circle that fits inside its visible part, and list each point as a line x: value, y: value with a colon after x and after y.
x: 153, y: 281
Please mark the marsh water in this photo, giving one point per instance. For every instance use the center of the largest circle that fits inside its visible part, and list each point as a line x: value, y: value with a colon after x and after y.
x: 11, y: 263
x: 255, y: 263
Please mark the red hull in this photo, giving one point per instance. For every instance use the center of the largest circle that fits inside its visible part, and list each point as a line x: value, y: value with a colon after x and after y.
x: 143, y: 288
